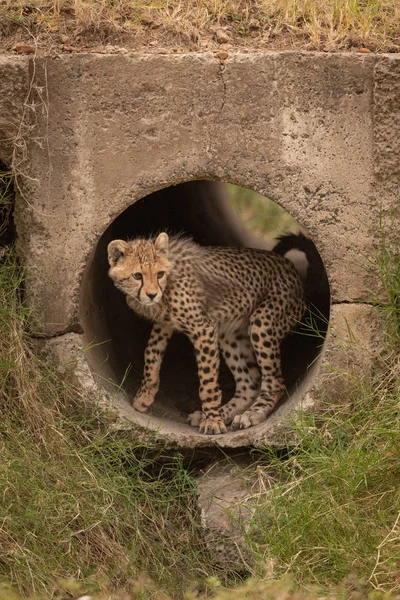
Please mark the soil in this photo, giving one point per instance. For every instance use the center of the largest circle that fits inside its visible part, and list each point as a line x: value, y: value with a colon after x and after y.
x: 152, y: 38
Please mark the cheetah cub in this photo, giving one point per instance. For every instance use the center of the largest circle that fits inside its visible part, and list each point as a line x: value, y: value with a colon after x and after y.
x: 241, y: 301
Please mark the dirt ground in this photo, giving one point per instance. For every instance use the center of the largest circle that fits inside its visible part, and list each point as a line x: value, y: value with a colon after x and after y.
x: 33, y: 26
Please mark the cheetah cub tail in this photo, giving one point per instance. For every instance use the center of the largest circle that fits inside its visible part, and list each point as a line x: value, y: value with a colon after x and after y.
x: 302, y: 252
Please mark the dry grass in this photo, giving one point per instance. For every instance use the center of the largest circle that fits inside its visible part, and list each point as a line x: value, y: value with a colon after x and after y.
x: 193, y: 24
x: 77, y: 501
x: 6, y: 205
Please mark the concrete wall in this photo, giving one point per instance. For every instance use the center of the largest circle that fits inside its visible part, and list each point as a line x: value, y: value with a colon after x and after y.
x: 318, y: 133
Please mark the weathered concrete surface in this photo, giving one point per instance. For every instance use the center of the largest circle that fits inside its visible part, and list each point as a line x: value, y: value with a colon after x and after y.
x: 295, y: 127
x: 14, y: 88
x: 386, y: 144
x: 227, y: 492
x: 354, y: 343
x: 318, y: 133
x: 386, y: 119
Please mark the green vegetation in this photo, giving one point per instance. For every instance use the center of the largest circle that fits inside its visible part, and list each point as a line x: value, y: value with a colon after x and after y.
x: 387, y: 266
x: 334, y: 512
x: 6, y: 204
x: 87, y: 510
x: 78, y: 502
x: 335, y: 507
x: 260, y: 215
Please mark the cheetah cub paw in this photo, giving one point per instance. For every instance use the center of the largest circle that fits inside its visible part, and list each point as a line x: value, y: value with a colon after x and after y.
x: 248, y: 419
x: 210, y: 425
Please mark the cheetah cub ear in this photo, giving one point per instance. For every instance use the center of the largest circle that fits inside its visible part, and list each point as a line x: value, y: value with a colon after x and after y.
x: 115, y: 250
x: 161, y: 243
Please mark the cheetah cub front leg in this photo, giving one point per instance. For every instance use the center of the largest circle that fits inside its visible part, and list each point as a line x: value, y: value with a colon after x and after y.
x: 207, y: 354
x: 153, y: 356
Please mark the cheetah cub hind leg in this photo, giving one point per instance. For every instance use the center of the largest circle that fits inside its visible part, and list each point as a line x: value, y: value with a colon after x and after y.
x: 267, y: 330
x: 239, y: 356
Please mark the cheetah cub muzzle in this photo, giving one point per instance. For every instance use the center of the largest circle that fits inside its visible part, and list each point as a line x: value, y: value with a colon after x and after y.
x: 238, y: 301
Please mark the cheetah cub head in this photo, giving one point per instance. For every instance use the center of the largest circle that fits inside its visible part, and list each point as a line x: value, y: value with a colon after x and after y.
x: 140, y: 268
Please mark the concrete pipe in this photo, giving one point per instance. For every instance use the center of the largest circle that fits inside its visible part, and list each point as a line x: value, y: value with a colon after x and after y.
x: 116, y: 337
x: 113, y: 146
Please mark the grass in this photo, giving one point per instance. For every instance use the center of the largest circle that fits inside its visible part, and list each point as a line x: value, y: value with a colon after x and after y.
x: 334, y: 511
x: 6, y: 206
x: 84, y: 510
x: 306, y: 24
x: 333, y: 515
x: 79, y: 502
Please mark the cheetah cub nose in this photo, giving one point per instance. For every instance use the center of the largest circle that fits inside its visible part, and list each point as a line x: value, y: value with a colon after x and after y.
x: 151, y: 296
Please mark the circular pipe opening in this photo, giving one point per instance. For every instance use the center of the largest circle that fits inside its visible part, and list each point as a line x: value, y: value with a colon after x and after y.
x: 117, y: 337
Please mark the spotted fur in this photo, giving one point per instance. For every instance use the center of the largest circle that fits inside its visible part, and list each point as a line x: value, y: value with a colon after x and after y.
x: 241, y: 301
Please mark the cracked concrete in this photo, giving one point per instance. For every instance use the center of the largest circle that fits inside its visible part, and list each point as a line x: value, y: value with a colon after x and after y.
x: 221, y: 72
x: 317, y: 133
